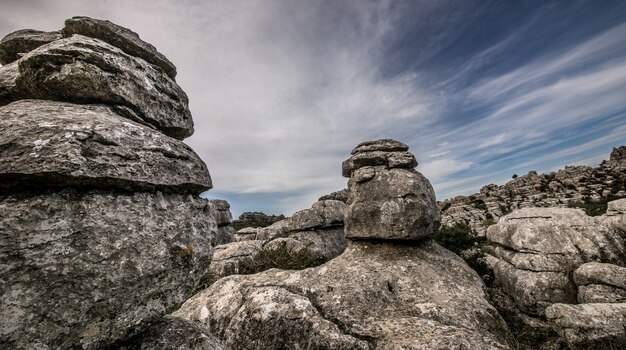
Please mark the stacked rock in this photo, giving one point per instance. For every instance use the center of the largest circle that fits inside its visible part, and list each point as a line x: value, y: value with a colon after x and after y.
x: 102, y: 231
x: 392, y: 288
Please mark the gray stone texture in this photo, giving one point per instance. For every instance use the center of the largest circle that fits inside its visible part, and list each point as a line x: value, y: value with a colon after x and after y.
x: 390, y: 204
x: 20, y: 42
x: 382, y: 295
x: 84, y: 70
x: 87, y: 269
x: 590, y: 326
x: 120, y: 37
x: 46, y: 144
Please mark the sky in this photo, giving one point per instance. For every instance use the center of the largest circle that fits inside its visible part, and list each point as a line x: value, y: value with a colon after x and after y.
x: 281, y: 91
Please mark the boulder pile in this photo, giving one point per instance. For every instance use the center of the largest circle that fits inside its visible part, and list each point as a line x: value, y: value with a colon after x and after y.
x: 393, y: 287
x: 102, y: 231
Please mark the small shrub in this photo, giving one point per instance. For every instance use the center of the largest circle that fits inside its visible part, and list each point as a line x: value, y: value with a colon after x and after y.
x: 446, y: 207
x: 457, y: 238
x: 479, y: 204
x: 515, y: 176
x: 282, y: 257
x: 489, y: 222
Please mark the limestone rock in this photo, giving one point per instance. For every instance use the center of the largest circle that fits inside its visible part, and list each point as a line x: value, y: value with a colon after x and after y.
x: 8, y: 84
x: 255, y: 219
x: 86, y: 269
x: 385, y: 145
x: 46, y: 144
x: 539, y: 248
x: 590, y: 326
x: 173, y: 333
x: 341, y: 195
x: 599, y: 273
x: 120, y: 37
x: 388, y: 159
x: 228, y: 258
x: 14, y: 45
x: 600, y: 293
x: 387, y: 295
x: 392, y: 204
x: 79, y: 69
x: 224, y: 219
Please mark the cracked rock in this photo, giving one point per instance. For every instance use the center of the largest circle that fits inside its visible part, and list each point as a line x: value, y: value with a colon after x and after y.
x: 20, y: 42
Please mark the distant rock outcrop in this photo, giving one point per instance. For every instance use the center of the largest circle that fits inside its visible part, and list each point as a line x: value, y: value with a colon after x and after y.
x: 102, y: 232
x: 256, y: 219
x: 382, y: 292
x: 574, y: 186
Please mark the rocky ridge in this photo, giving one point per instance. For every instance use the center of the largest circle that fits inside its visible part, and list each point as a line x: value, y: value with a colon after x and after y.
x: 102, y: 231
x: 573, y: 186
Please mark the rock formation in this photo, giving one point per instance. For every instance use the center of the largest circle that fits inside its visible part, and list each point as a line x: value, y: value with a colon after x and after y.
x: 315, y: 235
x: 546, y: 260
x: 224, y: 220
x: 388, y: 290
x: 102, y: 232
x: 574, y: 186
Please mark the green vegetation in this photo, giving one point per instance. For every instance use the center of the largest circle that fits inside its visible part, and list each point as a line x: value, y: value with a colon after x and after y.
x: 282, y: 257
x: 489, y: 222
x: 460, y: 238
x: 592, y: 208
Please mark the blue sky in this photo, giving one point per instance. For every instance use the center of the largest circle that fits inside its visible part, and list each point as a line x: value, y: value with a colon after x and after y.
x: 281, y: 91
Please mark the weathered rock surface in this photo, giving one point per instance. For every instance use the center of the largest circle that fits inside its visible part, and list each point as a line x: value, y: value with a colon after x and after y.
x: 8, y: 84
x: 224, y: 219
x: 573, y: 186
x: 317, y: 231
x: 120, y: 37
x: 539, y: 248
x: 590, y: 326
x: 341, y: 195
x: 393, y: 203
x: 18, y: 43
x: 79, y: 69
x: 228, y: 258
x: 600, y: 283
x: 46, y: 143
x: 385, y: 145
x: 386, y: 295
x: 86, y: 269
x: 173, y: 333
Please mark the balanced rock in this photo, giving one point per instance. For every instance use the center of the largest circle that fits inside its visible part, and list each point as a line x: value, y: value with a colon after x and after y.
x: 120, y: 37
x: 537, y: 249
x: 86, y: 269
x: 380, y: 293
x: 18, y: 43
x: 46, y: 144
x: 79, y: 69
x: 388, y: 201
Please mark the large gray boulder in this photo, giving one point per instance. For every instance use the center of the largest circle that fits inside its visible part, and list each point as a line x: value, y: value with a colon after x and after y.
x: 46, y: 144
x: 224, y: 219
x: 590, y: 326
x: 393, y: 203
x: 18, y: 43
x: 87, y: 269
x: 120, y: 37
x: 537, y: 249
x: 80, y: 69
x: 385, y: 295
x: 172, y: 333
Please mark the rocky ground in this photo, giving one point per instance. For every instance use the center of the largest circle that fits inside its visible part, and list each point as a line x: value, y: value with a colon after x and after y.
x: 106, y: 244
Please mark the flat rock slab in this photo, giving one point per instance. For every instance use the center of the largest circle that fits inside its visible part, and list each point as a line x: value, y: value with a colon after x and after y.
x: 599, y: 273
x: 403, y: 159
x: 385, y: 145
x: 84, y: 70
x: 590, y: 326
x: 375, y: 295
x: 120, y: 37
x: 87, y: 269
x: 600, y: 293
x: 18, y: 43
x: 45, y: 143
